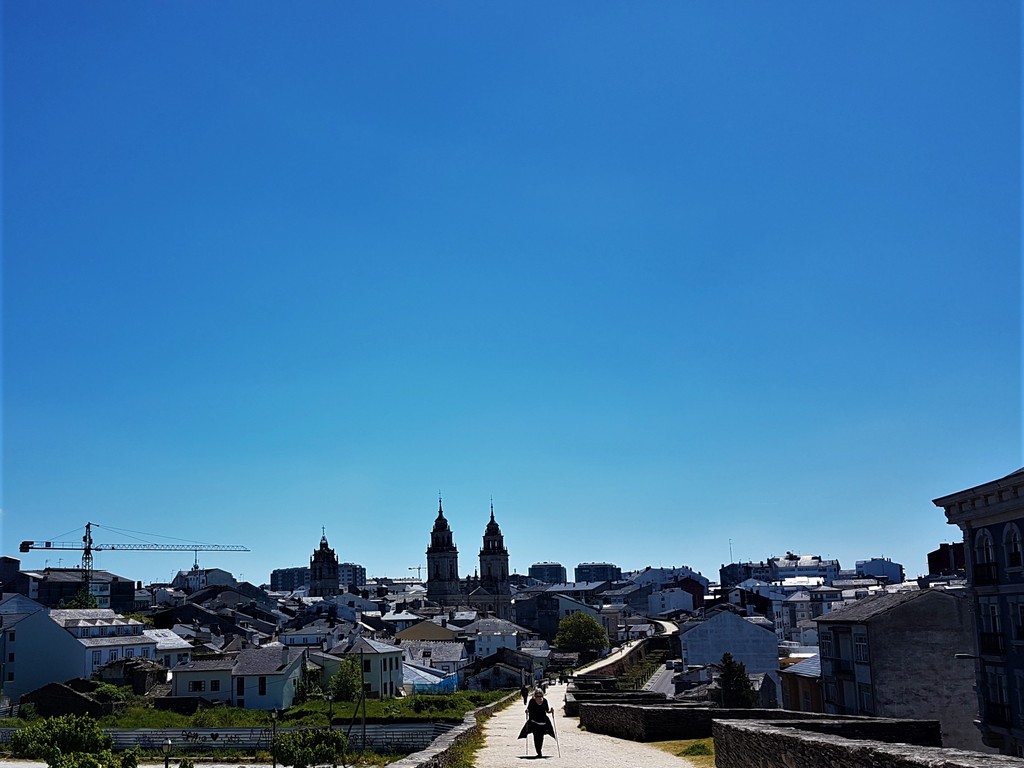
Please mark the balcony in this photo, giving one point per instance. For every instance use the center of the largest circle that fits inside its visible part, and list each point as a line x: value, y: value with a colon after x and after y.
x: 997, y: 714
x: 985, y: 574
x: 991, y: 643
x: 841, y: 666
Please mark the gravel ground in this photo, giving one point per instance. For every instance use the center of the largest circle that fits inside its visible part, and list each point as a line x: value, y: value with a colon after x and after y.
x: 579, y: 749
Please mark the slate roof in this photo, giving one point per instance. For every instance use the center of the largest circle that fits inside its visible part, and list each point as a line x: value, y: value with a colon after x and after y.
x: 205, y: 665
x: 807, y: 668
x: 435, y: 650
x: 494, y: 625
x: 875, y: 605
x: 167, y: 640
x: 264, y: 661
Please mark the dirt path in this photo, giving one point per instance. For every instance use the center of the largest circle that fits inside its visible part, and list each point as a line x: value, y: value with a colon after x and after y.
x: 579, y: 749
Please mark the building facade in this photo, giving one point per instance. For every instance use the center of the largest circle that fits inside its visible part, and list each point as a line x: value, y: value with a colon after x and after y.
x: 991, y: 517
x: 891, y: 655
x: 598, y: 572
x: 549, y: 573
x: 289, y: 579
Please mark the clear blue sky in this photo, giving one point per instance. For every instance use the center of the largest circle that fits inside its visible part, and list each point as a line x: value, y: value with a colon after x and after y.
x: 654, y: 276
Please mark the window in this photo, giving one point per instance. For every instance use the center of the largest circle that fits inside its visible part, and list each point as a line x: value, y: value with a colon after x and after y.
x: 113, y: 655
x: 366, y: 663
x: 825, y: 645
x: 214, y: 685
x: 240, y: 687
x: 97, y: 658
x: 10, y: 676
x: 831, y: 694
x: 196, y: 686
x: 129, y: 653
x: 10, y: 636
x: 145, y: 653
x: 860, y: 647
x: 263, y: 686
x: 984, y: 551
x: 1011, y: 542
x: 10, y: 657
x: 867, y: 704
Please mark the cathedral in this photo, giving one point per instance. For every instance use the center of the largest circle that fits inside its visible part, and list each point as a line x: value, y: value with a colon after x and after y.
x: 488, y: 590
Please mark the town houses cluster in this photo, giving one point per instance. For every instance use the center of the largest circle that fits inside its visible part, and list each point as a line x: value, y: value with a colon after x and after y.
x: 814, y: 636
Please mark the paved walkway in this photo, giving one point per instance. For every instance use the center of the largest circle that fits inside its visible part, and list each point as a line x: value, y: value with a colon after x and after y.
x: 579, y: 749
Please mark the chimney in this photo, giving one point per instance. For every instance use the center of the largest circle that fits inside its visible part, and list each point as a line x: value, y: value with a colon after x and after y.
x: 284, y: 655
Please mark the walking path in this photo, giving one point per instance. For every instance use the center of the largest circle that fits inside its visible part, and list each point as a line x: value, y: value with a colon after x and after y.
x: 579, y: 749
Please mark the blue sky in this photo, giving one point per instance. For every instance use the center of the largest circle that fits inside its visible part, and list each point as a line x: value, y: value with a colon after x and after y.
x: 656, y: 277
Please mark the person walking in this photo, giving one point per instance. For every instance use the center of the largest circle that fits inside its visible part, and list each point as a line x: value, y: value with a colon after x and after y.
x: 537, y: 721
x: 525, y: 693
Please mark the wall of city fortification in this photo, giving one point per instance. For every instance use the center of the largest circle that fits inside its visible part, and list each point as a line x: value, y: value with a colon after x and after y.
x: 765, y: 744
x: 662, y: 723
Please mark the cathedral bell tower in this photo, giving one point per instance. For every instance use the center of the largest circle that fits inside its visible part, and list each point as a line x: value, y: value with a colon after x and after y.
x: 494, y: 559
x: 323, y: 571
x: 442, y: 562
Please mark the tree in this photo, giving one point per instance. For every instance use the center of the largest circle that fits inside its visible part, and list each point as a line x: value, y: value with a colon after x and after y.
x: 82, y: 599
x: 347, y: 682
x: 70, y: 741
x: 737, y: 692
x: 580, y: 632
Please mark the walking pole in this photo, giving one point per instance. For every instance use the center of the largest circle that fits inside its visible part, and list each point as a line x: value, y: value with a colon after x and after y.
x: 557, y: 742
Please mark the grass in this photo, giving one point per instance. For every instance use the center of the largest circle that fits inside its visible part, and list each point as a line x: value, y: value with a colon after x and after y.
x: 700, y: 752
x: 463, y: 753
x: 313, y: 712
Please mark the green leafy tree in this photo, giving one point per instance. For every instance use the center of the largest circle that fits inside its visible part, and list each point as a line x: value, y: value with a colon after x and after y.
x: 580, y: 632
x: 82, y: 600
x: 304, y: 748
x: 58, y: 739
x: 347, y: 681
x: 737, y: 692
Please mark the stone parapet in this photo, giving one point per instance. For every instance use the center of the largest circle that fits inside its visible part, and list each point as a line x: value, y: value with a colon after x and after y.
x: 440, y: 753
x: 649, y: 722
x: 741, y: 744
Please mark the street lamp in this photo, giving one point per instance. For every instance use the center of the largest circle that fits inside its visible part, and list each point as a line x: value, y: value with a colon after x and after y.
x: 166, y: 749
x: 330, y: 706
x: 273, y: 736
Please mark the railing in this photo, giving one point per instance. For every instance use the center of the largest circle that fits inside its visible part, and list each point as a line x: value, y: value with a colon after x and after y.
x: 991, y: 643
x: 842, y: 666
x: 985, y: 574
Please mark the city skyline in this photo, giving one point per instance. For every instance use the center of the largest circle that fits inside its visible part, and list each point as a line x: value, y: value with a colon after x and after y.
x: 656, y: 280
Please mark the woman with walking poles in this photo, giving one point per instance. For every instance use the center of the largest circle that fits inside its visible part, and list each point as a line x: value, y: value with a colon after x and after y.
x: 537, y: 721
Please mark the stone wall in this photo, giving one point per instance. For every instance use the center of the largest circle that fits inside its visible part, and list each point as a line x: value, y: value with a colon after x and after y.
x: 575, y: 697
x: 763, y: 744
x: 440, y: 753
x: 662, y: 723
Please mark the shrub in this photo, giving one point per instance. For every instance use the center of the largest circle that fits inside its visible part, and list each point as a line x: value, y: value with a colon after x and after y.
x: 310, y: 747
x: 54, y: 737
x: 186, y: 762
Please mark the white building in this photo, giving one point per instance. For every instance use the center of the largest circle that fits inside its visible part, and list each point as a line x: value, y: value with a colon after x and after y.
x: 258, y: 678
x: 103, y: 637
x: 705, y: 641
x: 673, y: 599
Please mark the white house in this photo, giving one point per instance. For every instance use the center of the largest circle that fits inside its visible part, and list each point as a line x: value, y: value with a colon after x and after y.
x: 258, y: 678
x: 171, y: 648
x: 381, y: 665
x: 103, y: 636
x: 672, y: 599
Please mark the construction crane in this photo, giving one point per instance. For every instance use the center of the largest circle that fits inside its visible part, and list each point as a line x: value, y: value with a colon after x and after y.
x: 87, y: 547
x: 418, y: 569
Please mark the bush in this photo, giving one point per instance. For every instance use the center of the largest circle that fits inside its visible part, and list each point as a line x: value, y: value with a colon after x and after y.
x: 186, y: 762
x: 310, y: 747
x: 57, y: 737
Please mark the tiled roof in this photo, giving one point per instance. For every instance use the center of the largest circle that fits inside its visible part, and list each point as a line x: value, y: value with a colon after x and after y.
x: 205, y: 665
